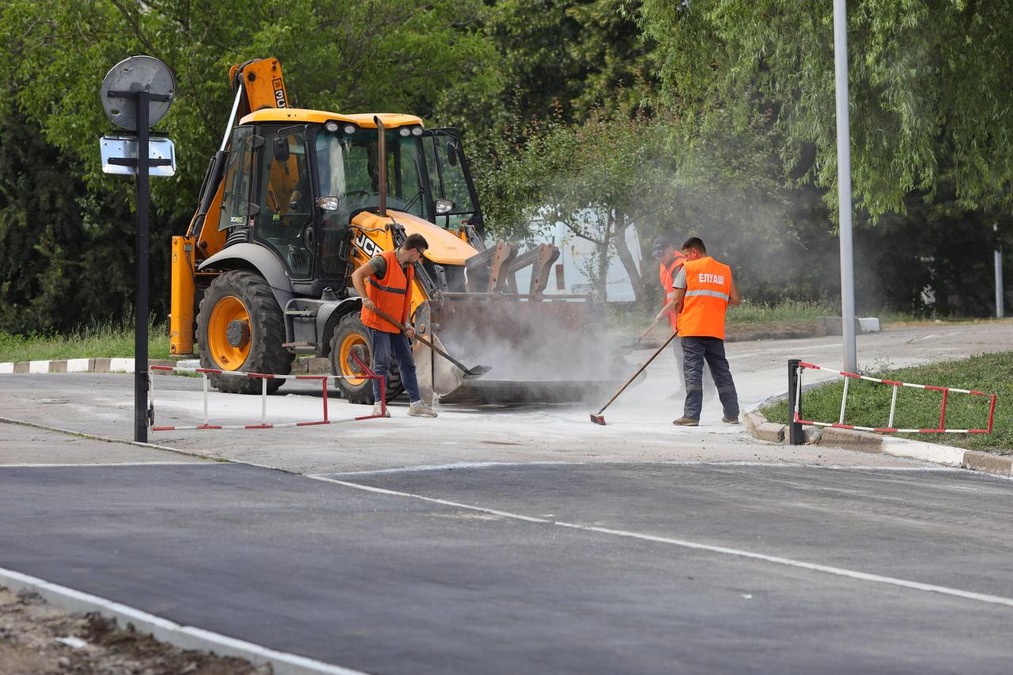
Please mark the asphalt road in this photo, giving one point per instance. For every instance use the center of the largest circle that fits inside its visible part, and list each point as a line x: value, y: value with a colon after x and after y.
x: 520, y: 539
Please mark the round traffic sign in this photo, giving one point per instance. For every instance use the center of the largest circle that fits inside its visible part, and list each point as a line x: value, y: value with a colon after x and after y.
x: 128, y: 78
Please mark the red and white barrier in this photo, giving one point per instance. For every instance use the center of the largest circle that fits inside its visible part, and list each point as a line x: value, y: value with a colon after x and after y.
x: 889, y: 428
x: 263, y: 377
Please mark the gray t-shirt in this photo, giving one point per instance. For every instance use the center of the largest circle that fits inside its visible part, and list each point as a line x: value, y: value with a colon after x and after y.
x: 680, y: 278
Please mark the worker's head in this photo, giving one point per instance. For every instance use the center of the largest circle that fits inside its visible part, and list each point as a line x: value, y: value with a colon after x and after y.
x: 663, y: 251
x: 415, y: 244
x: 693, y: 248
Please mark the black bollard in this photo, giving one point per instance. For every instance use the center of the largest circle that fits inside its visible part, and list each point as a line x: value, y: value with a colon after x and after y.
x: 795, y: 435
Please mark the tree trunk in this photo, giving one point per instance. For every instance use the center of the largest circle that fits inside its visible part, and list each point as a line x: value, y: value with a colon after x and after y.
x: 626, y: 257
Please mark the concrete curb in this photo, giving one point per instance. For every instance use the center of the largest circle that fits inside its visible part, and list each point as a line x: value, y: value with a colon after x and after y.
x: 184, y: 637
x: 863, y: 441
x: 303, y: 366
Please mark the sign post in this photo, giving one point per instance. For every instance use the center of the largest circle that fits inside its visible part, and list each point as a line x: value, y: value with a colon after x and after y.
x: 136, y: 94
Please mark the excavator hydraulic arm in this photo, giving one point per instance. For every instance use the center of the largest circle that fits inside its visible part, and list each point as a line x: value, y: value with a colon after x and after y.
x: 257, y: 84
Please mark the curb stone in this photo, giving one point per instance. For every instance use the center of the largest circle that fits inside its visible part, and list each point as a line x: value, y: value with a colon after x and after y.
x: 864, y: 441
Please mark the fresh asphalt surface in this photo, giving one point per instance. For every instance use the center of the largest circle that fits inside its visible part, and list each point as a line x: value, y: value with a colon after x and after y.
x: 601, y: 550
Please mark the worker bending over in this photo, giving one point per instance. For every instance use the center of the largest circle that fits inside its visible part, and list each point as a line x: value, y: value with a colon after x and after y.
x: 384, y: 283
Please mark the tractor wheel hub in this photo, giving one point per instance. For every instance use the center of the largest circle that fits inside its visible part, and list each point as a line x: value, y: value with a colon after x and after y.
x: 238, y: 333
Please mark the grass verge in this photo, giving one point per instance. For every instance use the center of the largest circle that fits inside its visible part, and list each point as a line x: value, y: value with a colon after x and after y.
x: 868, y: 403
x: 99, y: 341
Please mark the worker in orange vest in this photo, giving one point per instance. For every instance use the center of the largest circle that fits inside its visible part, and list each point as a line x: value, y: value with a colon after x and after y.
x: 670, y: 261
x: 385, y: 285
x: 703, y: 289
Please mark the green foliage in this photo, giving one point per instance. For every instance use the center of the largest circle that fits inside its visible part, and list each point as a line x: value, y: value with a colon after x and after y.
x: 389, y: 54
x: 868, y: 404
x: 786, y: 311
x: 928, y: 104
x: 96, y: 340
x: 571, y: 59
x: 58, y: 245
x: 597, y: 178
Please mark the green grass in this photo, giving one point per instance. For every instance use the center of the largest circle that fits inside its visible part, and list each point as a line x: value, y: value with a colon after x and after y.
x: 634, y: 318
x: 789, y: 311
x: 99, y: 341
x: 868, y: 403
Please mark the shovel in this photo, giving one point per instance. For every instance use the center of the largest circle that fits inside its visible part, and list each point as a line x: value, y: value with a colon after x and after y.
x: 597, y: 417
x: 469, y: 373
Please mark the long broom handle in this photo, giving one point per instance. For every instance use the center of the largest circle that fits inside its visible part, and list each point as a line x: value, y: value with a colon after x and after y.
x: 639, y: 370
x: 424, y: 341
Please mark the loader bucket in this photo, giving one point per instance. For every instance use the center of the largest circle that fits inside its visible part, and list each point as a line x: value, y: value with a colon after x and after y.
x: 540, y: 349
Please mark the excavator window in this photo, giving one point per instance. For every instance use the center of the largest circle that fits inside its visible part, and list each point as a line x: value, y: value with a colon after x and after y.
x: 448, y: 178
x: 285, y: 220
x: 237, y: 211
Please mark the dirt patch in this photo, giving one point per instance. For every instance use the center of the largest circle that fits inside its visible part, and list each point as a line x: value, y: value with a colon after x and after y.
x: 37, y: 638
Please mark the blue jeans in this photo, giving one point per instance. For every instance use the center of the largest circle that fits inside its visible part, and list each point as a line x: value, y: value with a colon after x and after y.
x: 386, y: 345
x: 695, y: 351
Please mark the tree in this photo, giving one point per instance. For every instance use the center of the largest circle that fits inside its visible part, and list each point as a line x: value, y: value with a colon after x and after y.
x: 570, y: 58
x: 598, y: 178
x: 408, y: 55
x: 928, y: 104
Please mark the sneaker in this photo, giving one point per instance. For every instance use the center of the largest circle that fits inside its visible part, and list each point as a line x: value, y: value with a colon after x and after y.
x: 380, y: 410
x: 686, y: 422
x: 420, y: 409
x: 730, y: 420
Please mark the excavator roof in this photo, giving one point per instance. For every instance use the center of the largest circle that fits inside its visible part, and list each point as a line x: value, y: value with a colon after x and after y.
x: 363, y: 120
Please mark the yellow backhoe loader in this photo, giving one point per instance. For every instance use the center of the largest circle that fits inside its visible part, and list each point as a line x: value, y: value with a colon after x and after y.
x: 294, y: 200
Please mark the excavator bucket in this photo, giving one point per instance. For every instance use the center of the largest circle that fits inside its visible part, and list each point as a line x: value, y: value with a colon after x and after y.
x: 538, y: 350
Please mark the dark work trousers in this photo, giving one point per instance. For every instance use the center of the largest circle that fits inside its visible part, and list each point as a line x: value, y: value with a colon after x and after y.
x: 708, y: 382
x: 695, y: 351
x: 386, y: 345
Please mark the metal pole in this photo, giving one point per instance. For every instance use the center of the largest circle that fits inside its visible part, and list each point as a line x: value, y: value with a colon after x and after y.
x: 141, y: 308
x: 999, y: 308
x: 795, y: 435
x: 844, y: 185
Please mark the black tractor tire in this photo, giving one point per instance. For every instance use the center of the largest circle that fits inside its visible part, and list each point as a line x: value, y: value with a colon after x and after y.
x: 240, y: 327
x: 351, y: 337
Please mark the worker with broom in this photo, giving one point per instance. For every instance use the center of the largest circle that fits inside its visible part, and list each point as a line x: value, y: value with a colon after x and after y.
x: 703, y: 289
x: 670, y: 261
x: 384, y: 283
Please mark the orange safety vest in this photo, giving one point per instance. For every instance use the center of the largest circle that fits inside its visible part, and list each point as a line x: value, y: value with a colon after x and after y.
x: 708, y: 287
x: 391, y: 294
x: 667, y: 275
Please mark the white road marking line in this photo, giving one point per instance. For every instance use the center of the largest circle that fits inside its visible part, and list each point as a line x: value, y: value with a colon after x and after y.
x: 107, y: 464
x: 684, y: 543
x: 688, y: 462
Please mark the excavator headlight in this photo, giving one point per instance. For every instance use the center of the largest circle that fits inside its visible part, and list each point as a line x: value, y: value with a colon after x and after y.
x: 444, y: 206
x: 416, y: 131
x: 405, y: 132
x: 350, y: 129
x: 331, y: 127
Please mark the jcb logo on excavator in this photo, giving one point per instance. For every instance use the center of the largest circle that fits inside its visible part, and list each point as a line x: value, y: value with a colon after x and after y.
x: 367, y: 245
x: 279, y: 93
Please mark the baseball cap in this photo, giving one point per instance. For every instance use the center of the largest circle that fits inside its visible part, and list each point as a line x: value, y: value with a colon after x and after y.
x: 659, y: 245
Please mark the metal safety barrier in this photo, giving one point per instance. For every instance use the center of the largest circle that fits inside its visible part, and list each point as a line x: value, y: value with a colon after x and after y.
x: 796, y: 368
x: 263, y: 377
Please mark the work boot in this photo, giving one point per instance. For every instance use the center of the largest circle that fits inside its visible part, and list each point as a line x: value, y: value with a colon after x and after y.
x: 686, y: 422
x: 420, y: 409
x: 380, y: 410
x: 730, y: 420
